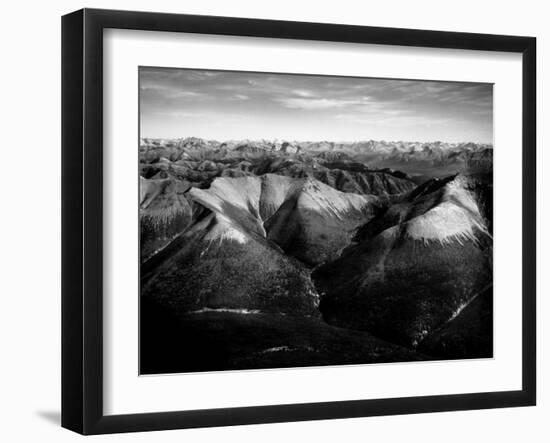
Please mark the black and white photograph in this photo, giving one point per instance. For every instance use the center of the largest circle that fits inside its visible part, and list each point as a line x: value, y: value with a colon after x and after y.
x: 293, y: 220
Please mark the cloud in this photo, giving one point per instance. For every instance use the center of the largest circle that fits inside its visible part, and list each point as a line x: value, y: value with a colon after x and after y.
x: 303, y: 93
x: 320, y: 103
x: 162, y: 92
x: 188, y: 94
x: 181, y: 114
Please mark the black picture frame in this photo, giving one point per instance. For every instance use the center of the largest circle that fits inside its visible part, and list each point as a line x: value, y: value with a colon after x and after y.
x: 82, y: 219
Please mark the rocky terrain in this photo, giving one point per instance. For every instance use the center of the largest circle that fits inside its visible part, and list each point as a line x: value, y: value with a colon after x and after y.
x: 260, y: 254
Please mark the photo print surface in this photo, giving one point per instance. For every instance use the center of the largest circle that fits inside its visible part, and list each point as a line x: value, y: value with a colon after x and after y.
x: 291, y: 220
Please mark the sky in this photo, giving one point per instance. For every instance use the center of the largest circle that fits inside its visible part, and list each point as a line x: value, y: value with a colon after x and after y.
x: 231, y: 105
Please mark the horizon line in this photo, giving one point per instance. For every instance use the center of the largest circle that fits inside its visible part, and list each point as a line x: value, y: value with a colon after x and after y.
x: 315, y: 141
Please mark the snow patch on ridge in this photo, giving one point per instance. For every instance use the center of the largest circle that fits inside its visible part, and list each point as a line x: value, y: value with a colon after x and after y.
x: 316, y: 196
x: 223, y: 230
x: 457, y: 218
x: 242, y: 192
x: 444, y: 223
x: 262, y: 196
x: 276, y: 349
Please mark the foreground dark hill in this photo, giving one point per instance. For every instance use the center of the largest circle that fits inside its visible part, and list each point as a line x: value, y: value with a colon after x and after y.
x: 468, y: 334
x: 413, y: 268
x: 222, y: 340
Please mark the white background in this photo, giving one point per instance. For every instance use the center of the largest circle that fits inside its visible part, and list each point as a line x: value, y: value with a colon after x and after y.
x: 30, y: 310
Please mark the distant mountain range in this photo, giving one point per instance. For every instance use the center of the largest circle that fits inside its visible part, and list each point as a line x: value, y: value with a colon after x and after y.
x: 294, y: 147
x: 420, y: 160
x: 383, y: 249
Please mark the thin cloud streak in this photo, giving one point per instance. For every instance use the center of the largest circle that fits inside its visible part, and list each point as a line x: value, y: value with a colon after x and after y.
x: 319, y: 103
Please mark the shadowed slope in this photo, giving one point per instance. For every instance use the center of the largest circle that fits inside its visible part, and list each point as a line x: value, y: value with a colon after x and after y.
x: 164, y: 213
x: 468, y: 334
x: 217, y: 264
x: 316, y: 221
